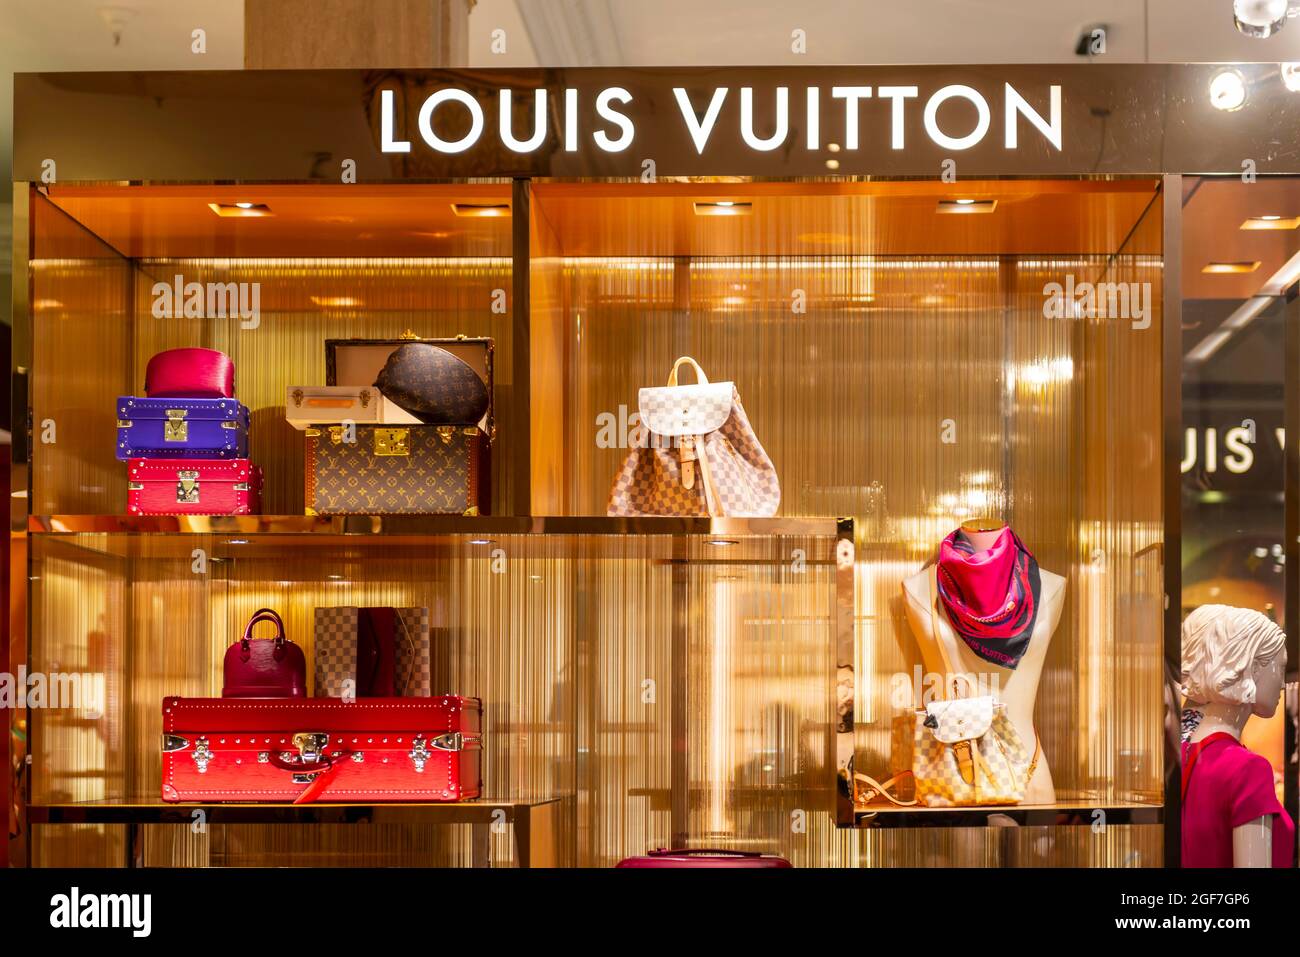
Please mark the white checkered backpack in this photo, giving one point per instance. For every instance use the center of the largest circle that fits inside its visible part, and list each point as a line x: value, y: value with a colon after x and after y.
x: 697, y: 455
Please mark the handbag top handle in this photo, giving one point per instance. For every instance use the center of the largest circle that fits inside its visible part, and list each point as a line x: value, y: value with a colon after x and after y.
x: 264, y: 614
x: 700, y: 377
x: 950, y: 676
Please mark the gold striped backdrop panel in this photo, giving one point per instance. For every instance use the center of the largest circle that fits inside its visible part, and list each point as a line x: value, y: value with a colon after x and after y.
x: 81, y: 357
x: 912, y: 393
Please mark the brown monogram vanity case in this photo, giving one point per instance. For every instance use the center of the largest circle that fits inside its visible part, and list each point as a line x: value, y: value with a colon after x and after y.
x: 399, y: 469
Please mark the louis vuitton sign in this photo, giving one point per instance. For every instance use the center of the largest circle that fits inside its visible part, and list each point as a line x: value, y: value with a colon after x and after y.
x: 784, y: 121
x: 559, y: 118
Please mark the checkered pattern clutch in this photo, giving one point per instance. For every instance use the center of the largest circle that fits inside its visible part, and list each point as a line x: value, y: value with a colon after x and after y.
x: 336, y: 652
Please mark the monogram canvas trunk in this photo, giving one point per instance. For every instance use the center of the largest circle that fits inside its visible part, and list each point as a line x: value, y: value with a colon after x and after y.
x: 396, y: 470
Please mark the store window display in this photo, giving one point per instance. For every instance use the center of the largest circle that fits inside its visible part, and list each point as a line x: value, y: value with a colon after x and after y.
x: 1234, y: 665
x: 983, y: 616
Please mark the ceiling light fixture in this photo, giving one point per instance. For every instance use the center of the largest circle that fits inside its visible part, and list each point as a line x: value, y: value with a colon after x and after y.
x: 1260, y: 18
x: 1271, y: 222
x: 241, y: 209
x: 1228, y: 91
x: 336, y: 302
x: 481, y: 210
x: 722, y: 542
x: 966, y: 206
x: 1229, y: 268
x: 723, y: 207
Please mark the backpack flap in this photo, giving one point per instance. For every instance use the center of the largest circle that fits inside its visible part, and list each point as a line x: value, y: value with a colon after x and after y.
x: 959, y: 719
x: 678, y: 410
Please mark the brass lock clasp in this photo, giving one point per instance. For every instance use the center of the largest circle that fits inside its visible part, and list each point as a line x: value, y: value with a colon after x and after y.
x: 176, y: 428
x: 392, y: 441
x: 187, y: 487
x: 310, y: 745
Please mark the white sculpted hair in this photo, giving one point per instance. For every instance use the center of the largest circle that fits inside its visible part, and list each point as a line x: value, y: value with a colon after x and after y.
x: 1220, y: 647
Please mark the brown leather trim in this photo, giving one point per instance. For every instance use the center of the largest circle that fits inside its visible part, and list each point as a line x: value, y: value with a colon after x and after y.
x: 471, y: 472
x: 309, y: 475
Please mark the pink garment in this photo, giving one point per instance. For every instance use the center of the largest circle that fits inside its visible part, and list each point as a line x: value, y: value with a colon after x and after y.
x: 1230, y: 785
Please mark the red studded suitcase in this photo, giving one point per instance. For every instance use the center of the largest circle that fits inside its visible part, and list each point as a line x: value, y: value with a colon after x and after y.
x: 193, y: 487
x: 301, y: 750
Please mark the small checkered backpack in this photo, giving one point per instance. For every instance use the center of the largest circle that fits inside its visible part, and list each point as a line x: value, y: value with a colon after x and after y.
x: 965, y: 751
x: 695, y: 454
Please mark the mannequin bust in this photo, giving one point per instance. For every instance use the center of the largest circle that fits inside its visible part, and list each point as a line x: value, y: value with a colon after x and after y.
x: 1234, y: 665
x: 1018, y: 688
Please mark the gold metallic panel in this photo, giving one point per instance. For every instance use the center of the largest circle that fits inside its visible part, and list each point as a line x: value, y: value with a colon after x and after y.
x: 81, y: 357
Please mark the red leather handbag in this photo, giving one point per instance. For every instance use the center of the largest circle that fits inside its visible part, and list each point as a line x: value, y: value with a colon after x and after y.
x: 264, y: 667
x: 704, y: 857
x: 190, y: 374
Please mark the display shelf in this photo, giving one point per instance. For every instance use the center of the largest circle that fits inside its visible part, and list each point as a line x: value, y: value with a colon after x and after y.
x: 146, y: 810
x: 1060, y: 814
x: 422, y: 525
x: 535, y: 824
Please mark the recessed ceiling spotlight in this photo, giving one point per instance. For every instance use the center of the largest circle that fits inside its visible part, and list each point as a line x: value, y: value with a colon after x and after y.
x: 241, y: 209
x: 723, y: 207
x: 1271, y: 222
x: 482, y: 210
x: 1291, y: 76
x: 833, y: 147
x: 336, y: 302
x: 966, y: 206
x: 832, y: 164
x: 1259, y: 18
x: 1228, y: 91
x: 1229, y: 269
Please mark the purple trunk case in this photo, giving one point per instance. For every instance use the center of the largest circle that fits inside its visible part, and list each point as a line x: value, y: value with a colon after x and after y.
x: 181, y: 428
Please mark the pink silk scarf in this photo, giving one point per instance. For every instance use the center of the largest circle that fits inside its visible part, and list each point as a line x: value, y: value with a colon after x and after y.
x: 991, y: 596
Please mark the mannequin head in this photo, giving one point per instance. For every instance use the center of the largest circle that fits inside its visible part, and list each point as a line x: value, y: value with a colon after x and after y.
x: 1234, y: 657
x: 1270, y: 678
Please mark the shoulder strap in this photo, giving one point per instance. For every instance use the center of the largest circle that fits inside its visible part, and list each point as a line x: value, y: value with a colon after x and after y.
x: 712, y: 501
x: 941, y: 649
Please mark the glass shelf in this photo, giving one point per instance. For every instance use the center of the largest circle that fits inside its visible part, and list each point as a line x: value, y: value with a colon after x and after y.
x: 1060, y: 814
x: 145, y: 810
